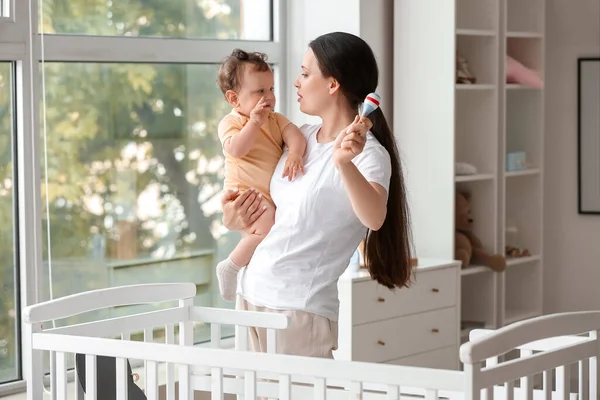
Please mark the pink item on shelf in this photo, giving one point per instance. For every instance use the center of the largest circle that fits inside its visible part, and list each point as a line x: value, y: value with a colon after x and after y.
x: 518, y: 73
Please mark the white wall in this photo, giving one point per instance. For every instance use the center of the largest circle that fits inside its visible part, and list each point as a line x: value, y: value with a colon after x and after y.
x: 369, y: 19
x: 572, y: 241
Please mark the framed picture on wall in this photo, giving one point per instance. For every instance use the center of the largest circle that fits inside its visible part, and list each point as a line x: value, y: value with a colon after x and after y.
x: 588, y: 134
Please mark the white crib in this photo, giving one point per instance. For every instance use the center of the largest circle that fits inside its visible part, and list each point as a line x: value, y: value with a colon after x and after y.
x: 548, y: 346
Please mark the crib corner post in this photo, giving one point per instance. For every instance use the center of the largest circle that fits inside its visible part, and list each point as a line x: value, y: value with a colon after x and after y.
x: 472, y: 390
x: 34, y: 375
x: 186, y: 338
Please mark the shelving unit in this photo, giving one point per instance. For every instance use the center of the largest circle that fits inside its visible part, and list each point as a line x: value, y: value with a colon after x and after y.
x: 440, y: 123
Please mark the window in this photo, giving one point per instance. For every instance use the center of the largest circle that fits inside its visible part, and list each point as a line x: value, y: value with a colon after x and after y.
x: 4, y: 8
x: 205, y: 19
x: 132, y: 166
x: 113, y: 108
x: 135, y: 170
x: 9, y: 305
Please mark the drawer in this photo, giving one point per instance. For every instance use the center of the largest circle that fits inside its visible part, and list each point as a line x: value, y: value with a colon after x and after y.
x: 399, y: 337
x: 430, y: 290
x: 446, y: 358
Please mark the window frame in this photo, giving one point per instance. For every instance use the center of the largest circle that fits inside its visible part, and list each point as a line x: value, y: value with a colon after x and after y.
x: 22, y: 44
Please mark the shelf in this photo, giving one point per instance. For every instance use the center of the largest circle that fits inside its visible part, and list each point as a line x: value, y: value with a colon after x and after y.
x: 511, y: 262
x: 474, y: 86
x: 524, y: 124
x: 534, y: 35
x: 473, y: 178
x: 481, y: 56
x: 474, y: 270
x: 526, y: 50
x: 516, y: 86
x: 529, y: 171
x: 475, y: 136
x: 522, y: 209
x: 475, y: 32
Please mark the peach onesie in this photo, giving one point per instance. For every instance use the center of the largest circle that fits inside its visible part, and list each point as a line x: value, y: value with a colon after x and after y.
x: 256, y: 168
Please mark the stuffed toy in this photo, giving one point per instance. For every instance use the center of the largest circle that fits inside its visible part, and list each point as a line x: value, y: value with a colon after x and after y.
x: 467, y: 246
x: 463, y: 74
x: 518, y: 73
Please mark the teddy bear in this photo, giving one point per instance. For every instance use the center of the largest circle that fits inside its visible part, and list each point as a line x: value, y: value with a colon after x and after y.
x: 467, y: 246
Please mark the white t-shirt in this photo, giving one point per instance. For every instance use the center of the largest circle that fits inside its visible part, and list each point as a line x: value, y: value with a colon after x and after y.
x: 297, y: 265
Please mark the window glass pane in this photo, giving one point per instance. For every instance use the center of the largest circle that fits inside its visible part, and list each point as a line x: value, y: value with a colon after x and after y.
x: 4, y: 9
x: 135, y: 171
x: 9, y: 346
x: 209, y: 19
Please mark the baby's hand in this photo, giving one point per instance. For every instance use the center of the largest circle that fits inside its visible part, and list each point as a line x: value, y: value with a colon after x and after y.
x: 260, y: 112
x: 293, y: 166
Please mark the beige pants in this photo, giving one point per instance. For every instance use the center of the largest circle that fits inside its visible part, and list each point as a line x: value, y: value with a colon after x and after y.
x: 308, y: 335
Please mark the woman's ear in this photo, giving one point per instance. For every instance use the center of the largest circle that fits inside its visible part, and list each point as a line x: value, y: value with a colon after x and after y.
x: 334, y: 86
x: 232, y: 98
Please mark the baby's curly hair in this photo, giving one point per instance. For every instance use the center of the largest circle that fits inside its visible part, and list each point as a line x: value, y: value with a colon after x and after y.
x: 230, y: 72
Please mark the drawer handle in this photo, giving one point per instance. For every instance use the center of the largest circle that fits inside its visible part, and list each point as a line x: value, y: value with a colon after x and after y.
x: 435, y: 290
x: 380, y: 299
x: 381, y: 342
x: 435, y: 330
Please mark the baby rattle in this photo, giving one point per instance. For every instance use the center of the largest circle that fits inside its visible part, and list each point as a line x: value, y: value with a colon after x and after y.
x: 371, y: 103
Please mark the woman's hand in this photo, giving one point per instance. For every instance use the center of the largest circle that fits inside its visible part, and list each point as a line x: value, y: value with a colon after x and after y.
x: 350, y: 142
x: 241, y: 210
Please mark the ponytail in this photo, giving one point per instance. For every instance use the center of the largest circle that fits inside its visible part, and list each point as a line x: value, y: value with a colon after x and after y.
x: 387, y: 251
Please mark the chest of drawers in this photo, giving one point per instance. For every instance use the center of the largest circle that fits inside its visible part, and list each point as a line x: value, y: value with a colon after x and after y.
x: 417, y: 326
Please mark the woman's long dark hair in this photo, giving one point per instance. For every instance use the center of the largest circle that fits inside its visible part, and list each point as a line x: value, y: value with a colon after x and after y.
x: 350, y: 60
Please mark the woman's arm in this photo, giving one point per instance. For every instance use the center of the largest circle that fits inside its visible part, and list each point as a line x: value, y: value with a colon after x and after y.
x: 369, y: 199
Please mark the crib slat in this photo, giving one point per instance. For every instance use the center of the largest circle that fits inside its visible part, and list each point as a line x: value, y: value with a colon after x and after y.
x: 271, y: 341
x: 250, y: 385
x: 77, y: 391
x: 215, y: 335
x: 357, y: 390
x: 562, y: 382
x: 186, y: 338
x: 584, y: 379
x: 170, y: 370
x: 393, y: 392
x: 285, y: 388
x: 90, y: 377
x: 61, y: 378
x: 148, y: 338
x: 488, y: 393
x: 217, y: 384
x: 185, y: 387
x: 53, y: 375
x: 527, y: 381
x: 547, y: 385
x: 241, y: 338
x: 319, y: 389
x: 125, y: 336
x: 152, y: 381
x: 432, y: 394
x: 510, y: 390
x: 121, y: 379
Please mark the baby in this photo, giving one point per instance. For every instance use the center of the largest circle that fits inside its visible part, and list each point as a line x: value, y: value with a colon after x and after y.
x: 252, y: 135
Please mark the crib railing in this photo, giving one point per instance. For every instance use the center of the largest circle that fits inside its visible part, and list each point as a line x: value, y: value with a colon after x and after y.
x: 547, y: 345
x: 183, y: 316
x: 323, y: 378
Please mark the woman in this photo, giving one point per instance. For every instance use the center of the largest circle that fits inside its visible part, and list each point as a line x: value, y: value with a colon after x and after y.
x: 352, y: 187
